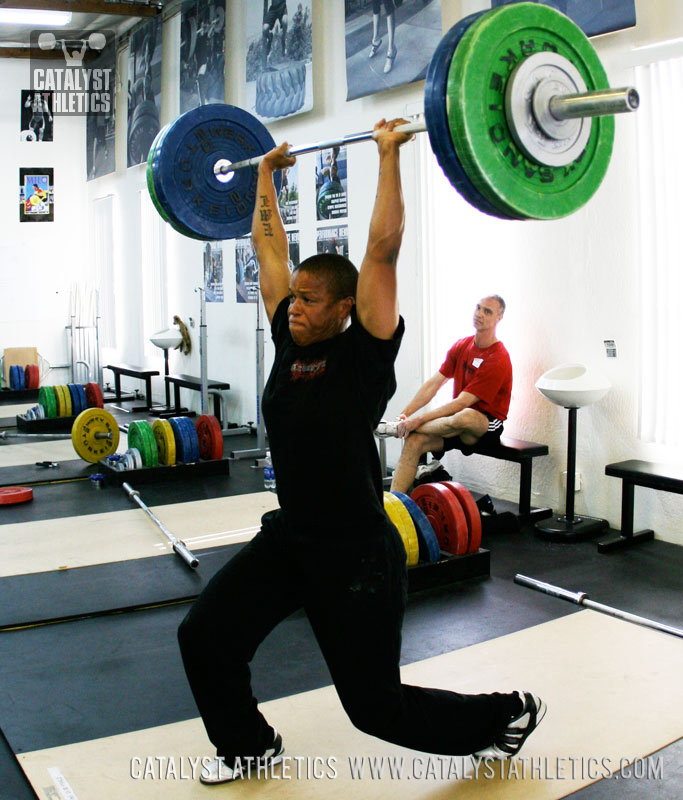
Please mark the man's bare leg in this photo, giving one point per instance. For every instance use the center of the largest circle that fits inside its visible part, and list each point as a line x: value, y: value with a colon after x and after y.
x: 415, y: 445
x: 469, y: 424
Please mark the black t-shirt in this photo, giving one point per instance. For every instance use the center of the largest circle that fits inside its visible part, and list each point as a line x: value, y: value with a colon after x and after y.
x: 321, y: 405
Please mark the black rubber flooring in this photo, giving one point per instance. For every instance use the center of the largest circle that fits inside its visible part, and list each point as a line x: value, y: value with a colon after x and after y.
x: 97, y: 677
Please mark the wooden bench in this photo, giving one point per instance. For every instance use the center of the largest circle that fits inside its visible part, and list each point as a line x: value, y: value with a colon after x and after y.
x: 190, y: 382
x: 519, y: 452
x: 132, y: 372
x: 638, y: 473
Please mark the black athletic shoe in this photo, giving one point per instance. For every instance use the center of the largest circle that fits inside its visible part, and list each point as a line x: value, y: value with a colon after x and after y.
x: 509, y: 741
x: 217, y: 771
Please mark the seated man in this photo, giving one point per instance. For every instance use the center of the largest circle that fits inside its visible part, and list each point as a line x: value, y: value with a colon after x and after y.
x: 482, y: 382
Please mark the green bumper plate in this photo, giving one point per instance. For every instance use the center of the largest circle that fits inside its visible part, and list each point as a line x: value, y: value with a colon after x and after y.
x: 480, y: 69
x: 141, y: 437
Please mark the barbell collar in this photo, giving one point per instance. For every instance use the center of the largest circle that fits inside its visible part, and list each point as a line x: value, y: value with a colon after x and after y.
x: 602, y: 103
x: 417, y: 126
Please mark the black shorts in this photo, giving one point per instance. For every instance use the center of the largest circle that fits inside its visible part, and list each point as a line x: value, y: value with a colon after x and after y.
x: 276, y: 12
x: 389, y: 5
x: 492, y: 435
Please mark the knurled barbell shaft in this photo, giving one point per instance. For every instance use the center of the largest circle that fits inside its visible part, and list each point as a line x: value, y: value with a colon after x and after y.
x: 418, y: 126
x: 601, y: 103
x: 587, y: 104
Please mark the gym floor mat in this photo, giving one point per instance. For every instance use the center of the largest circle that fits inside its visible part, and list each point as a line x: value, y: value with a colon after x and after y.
x: 47, y: 545
x: 56, y: 596
x: 98, y: 677
x: 600, y: 717
x: 29, y: 451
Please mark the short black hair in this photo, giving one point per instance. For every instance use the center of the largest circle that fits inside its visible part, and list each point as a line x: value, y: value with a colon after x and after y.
x: 340, y: 274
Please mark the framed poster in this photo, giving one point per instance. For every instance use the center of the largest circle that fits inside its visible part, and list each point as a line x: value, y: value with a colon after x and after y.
x: 279, y: 58
x: 36, y: 194
x: 592, y: 16
x: 202, y: 53
x: 36, y: 116
x: 331, y: 200
x: 334, y: 240
x: 246, y: 271
x: 389, y: 43
x: 144, y: 90
x: 213, y: 272
x: 288, y: 198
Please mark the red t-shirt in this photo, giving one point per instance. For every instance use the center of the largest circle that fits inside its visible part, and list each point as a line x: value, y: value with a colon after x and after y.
x: 484, y: 372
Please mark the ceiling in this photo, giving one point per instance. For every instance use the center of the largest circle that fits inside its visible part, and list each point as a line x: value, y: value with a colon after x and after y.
x: 92, y: 15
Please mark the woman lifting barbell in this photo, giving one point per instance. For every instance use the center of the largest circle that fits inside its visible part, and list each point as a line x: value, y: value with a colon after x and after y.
x: 330, y: 549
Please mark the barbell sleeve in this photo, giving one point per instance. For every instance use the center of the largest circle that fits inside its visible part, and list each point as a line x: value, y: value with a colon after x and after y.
x: 581, y: 599
x: 601, y: 103
x: 178, y: 546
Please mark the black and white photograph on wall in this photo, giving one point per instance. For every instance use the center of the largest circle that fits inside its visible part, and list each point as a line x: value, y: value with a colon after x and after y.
x: 288, y: 198
x: 246, y: 271
x: 36, y: 116
x: 331, y: 201
x: 389, y: 43
x: 144, y: 89
x: 279, y: 58
x: 293, y: 242
x: 333, y: 240
x: 36, y: 194
x: 202, y: 53
x: 592, y: 16
x: 213, y: 272
x: 99, y: 126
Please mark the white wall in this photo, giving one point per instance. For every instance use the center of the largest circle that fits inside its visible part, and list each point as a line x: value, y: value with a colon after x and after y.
x: 39, y: 261
x: 570, y: 284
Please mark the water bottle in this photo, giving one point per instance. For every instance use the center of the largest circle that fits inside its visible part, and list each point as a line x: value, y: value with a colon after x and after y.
x: 268, y: 473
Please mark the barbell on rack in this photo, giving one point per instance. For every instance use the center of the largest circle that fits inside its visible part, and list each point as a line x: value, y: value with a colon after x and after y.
x: 517, y: 107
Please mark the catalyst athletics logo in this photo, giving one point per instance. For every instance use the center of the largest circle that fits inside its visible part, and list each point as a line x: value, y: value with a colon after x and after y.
x: 78, y: 66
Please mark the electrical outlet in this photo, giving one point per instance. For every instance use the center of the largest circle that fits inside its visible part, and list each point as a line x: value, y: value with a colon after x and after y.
x: 578, y: 481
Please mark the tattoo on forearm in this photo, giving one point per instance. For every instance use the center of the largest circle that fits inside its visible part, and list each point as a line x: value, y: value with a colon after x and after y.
x: 265, y: 213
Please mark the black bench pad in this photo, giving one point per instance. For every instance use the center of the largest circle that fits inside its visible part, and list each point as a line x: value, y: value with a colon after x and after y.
x: 644, y: 473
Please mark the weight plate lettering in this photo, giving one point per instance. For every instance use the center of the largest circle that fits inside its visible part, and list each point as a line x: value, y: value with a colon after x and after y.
x: 427, y: 541
x: 83, y: 434
x: 210, y: 437
x: 471, y: 512
x: 399, y: 515
x: 485, y: 58
x: 438, y: 130
x: 183, y: 170
x: 445, y: 515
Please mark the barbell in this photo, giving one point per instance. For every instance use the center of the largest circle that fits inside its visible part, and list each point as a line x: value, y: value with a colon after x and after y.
x: 517, y: 107
x: 581, y: 599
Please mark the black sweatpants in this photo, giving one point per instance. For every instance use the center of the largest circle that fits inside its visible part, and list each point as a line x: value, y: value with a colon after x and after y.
x: 354, y: 593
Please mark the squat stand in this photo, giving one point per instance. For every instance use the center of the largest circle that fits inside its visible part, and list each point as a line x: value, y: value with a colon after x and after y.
x: 260, y: 450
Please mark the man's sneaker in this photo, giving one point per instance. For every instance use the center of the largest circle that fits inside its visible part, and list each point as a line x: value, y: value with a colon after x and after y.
x: 509, y: 742
x: 387, y: 430
x: 217, y: 771
x: 426, y: 470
